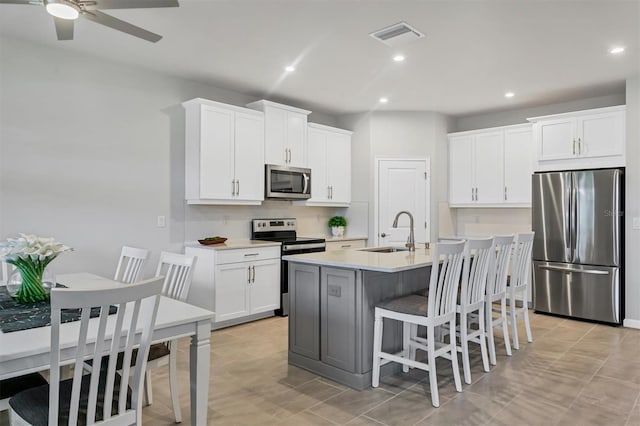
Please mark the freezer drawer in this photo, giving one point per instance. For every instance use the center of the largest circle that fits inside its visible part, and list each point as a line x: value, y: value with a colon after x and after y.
x: 582, y: 291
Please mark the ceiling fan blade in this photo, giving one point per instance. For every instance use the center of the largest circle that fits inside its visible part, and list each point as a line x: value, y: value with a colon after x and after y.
x: 117, y: 24
x: 64, y: 28
x: 128, y: 4
x: 33, y: 2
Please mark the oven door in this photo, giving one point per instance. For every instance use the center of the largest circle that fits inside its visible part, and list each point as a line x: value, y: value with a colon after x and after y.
x: 284, y: 278
x: 287, y: 183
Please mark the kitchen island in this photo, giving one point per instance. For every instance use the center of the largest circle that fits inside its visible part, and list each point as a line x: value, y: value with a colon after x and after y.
x: 332, y: 297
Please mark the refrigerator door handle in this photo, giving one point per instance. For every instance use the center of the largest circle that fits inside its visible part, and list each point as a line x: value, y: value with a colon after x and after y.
x: 580, y: 271
x: 573, y: 202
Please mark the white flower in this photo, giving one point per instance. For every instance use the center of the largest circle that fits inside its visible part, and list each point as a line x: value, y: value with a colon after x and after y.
x: 31, y: 247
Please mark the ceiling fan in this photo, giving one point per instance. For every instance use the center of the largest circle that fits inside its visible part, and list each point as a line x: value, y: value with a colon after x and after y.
x: 66, y: 11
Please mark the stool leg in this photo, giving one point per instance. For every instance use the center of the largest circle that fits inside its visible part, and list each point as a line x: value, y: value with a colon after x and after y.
x: 377, y: 348
x: 433, y: 378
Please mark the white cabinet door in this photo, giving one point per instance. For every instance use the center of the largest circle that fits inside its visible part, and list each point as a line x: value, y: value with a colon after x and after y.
x: 518, y: 156
x: 318, y: 165
x: 275, y: 136
x: 460, y: 170
x: 265, y: 286
x: 487, y: 167
x: 556, y: 139
x: 249, y: 156
x: 231, y: 291
x: 338, y: 160
x: 601, y: 135
x: 297, y: 139
x: 216, y: 153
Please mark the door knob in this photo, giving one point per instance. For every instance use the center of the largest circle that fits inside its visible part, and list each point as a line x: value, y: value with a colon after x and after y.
x: 383, y: 235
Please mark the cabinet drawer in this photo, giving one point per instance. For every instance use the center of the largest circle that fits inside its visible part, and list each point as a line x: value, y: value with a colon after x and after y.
x: 345, y: 245
x: 247, y: 254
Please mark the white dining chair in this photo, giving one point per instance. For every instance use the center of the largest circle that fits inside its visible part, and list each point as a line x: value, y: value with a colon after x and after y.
x: 438, y: 308
x: 177, y: 270
x: 496, y: 295
x: 102, y: 394
x: 471, y: 300
x: 130, y: 264
x: 518, y: 285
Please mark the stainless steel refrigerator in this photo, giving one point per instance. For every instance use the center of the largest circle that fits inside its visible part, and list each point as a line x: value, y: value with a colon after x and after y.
x: 577, y: 250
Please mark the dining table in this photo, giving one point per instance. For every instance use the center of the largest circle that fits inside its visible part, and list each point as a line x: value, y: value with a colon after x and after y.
x: 27, y: 351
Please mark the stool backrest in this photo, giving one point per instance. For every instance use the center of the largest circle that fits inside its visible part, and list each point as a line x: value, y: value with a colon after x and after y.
x: 497, y: 281
x: 521, y: 259
x: 475, y: 269
x: 443, y: 284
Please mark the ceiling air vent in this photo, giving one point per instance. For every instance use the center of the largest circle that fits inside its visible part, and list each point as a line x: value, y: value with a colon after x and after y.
x: 397, y: 34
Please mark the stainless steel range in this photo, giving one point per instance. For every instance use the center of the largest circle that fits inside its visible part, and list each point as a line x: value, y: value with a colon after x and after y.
x: 284, y: 231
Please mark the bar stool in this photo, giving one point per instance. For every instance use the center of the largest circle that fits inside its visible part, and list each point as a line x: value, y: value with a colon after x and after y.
x: 518, y: 284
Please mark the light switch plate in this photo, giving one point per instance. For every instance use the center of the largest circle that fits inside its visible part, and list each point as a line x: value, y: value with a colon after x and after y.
x: 636, y: 223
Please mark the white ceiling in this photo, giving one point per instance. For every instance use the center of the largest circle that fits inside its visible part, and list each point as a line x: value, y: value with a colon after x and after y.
x: 473, y: 52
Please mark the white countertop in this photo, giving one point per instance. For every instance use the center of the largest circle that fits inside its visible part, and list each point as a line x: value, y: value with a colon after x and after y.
x: 331, y: 238
x: 365, y: 260
x: 233, y: 244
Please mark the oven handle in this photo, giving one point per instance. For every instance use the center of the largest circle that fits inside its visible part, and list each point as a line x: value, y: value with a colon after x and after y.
x: 294, y: 247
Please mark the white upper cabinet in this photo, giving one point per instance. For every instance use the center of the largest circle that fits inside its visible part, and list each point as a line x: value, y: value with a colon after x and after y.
x: 224, y: 154
x: 330, y: 163
x: 582, y: 139
x: 490, y: 167
x: 285, y: 133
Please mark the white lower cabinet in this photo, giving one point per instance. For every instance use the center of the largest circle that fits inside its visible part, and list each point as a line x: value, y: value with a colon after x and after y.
x: 346, y: 244
x: 237, y: 284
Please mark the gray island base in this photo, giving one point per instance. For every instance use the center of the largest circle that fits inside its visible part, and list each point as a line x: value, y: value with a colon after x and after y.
x: 332, y: 312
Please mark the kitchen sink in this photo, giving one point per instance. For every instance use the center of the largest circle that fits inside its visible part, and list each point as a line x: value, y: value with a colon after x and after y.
x: 386, y: 249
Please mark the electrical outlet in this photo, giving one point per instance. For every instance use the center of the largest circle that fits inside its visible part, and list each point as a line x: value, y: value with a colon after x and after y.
x: 162, y: 222
x: 636, y: 223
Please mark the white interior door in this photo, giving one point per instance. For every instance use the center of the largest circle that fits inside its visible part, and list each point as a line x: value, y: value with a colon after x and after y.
x: 403, y: 184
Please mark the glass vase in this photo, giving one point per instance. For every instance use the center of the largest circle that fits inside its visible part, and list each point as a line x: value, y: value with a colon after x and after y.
x: 30, y: 284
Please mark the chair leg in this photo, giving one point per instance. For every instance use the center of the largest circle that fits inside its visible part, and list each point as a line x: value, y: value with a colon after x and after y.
x: 454, y: 358
x: 377, y: 348
x: 412, y: 349
x: 505, y: 328
x: 527, y: 324
x: 489, y: 325
x: 464, y: 345
x: 173, y: 384
x: 406, y: 331
x: 148, y: 392
x: 514, y: 322
x: 433, y: 378
x: 483, y: 341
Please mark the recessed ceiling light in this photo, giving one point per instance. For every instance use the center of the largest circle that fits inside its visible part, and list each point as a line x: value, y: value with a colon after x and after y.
x: 616, y: 50
x: 290, y: 68
x: 398, y: 58
x: 509, y: 95
x: 383, y: 100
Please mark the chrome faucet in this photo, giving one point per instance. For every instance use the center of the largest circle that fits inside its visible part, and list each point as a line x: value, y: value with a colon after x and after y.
x: 410, y: 241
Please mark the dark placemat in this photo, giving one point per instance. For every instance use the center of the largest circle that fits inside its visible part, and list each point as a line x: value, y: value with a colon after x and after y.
x: 16, y: 316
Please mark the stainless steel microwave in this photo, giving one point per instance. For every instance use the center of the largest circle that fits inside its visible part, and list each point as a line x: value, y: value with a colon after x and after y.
x: 287, y: 183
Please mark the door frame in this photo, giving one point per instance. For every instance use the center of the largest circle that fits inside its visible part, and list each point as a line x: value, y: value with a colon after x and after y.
x: 377, y: 161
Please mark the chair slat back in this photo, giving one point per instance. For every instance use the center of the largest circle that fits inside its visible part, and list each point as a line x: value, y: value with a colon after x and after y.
x: 132, y: 325
x: 178, y: 271
x: 497, y: 281
x: 475, y: 269
x: 443, y: 284
x: 130, y: 264
x: 521, y: 260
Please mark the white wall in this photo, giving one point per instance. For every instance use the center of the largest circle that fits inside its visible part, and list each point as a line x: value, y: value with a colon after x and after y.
x: 397, y: 135
x: 92, y: 151
x: 632, y: 207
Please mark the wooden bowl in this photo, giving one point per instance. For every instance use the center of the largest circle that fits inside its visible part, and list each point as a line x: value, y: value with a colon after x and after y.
x: 211, y: 242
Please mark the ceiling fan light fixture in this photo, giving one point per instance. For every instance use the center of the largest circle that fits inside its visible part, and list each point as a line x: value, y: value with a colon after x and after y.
x: 62, y: 9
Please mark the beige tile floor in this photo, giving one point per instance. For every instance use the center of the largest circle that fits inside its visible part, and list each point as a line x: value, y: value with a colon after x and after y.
x: 574, y: 373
